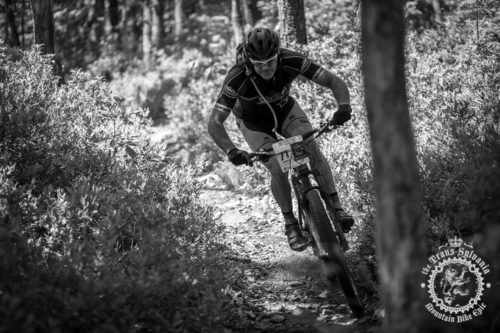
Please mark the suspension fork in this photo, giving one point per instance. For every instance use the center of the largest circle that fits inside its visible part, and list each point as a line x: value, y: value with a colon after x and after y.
x: 305, y: 172
x: 301, y: 186
x: 300, y: 193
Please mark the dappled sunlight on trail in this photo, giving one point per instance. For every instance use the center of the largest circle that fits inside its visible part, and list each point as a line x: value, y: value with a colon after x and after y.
x: 272, y: 288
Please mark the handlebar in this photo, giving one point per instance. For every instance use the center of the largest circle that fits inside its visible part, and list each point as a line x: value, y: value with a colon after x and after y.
x: 317, y: 132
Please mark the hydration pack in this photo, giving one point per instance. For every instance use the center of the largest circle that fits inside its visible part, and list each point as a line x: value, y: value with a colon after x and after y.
x: 242, y: 59
x: 240, y: 54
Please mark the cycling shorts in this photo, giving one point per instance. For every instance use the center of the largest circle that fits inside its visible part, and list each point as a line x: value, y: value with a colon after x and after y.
x: 260, y: 136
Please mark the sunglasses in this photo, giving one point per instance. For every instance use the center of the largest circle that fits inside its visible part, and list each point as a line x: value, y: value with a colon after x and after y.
x: 264, y: 62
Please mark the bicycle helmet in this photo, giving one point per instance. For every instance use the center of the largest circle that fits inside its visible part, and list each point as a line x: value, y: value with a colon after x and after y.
x: 261, y: 43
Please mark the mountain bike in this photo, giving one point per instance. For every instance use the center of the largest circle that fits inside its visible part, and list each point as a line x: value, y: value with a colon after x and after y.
x: 317, y: 216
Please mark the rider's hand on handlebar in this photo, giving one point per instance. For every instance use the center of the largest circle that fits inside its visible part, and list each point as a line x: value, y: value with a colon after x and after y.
x: 239, y: 157
x: 342, y: 115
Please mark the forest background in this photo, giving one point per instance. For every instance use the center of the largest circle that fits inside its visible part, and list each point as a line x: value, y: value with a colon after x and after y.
x: 101, y: 227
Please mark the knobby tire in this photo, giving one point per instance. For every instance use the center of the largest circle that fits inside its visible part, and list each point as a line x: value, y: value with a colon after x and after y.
x: 335, y: 264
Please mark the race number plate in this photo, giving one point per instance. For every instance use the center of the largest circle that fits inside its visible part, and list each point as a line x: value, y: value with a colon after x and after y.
x: 283, y: 150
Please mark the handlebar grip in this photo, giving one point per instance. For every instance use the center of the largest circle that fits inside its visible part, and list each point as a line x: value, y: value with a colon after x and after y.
x: 261, y: 157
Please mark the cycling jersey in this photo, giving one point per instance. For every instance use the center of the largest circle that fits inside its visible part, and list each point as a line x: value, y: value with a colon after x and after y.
x: 237, y: 87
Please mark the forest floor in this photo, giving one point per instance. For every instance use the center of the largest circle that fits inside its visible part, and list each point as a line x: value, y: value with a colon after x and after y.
x: 272, y: 288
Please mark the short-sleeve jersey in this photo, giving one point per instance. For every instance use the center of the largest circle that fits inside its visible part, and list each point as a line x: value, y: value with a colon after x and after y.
x: 237, y: 87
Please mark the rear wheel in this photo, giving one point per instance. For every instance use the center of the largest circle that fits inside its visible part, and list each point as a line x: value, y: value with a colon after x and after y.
x: 334, y: 260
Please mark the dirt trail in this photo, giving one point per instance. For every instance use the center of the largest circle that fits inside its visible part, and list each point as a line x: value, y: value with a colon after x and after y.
x: 273, y: 289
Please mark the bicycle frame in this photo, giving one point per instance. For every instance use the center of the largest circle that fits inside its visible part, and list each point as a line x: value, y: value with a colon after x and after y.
x: 301, y: 172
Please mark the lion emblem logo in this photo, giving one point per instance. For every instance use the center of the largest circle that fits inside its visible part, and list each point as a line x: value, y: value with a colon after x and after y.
x: 455, y: 282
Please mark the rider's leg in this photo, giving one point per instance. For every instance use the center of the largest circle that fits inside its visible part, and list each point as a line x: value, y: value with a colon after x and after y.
x: 297, y: 123
x: 282, y: 192
x: 259, y: 139
x: 280, y: 187
x: 318, y: 160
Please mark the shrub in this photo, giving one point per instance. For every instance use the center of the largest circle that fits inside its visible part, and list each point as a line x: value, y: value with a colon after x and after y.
x: 100, y: 231
x: 453, y: 95
x: 149, y: 87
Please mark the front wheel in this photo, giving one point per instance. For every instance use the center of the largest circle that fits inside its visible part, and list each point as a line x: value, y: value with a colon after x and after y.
x: 336, y: 268
x: 333, y: 260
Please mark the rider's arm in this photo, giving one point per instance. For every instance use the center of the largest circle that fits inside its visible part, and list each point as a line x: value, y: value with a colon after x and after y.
x: 223, y: 107
x: 335, y: 84
x: 297, y: 63
x: 217, y: 130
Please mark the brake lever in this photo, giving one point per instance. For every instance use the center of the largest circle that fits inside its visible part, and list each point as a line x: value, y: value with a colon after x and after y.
x: 326, y: 127
x: 261, y: 156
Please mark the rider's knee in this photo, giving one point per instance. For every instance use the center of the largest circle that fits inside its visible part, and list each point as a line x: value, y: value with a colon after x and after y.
x: 274, y: 168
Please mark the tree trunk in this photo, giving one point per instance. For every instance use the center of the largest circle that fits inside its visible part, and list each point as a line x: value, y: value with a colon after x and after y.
x: 23, y: 9
x: 202, y: 7
x: 44, y: 25
x: 147, y: 49
x: 292, y: 21
x: 247, y: 15
x: 44, y: 31
x: 11, y: 19
x: 178, y: 17
x: 112, y: 22
x: 114, y: 16
x: 236, y: 22
x: 158, y: 25
x: 94, y: 26
x: 400, y: 230
x: 128, y: 41
x: 254, y: 10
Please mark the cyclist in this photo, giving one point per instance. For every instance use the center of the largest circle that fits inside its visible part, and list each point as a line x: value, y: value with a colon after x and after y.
x: 256, y: 89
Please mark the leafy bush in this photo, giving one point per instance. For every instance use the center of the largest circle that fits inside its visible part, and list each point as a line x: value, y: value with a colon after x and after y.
x: 453, y: 95
x: 100, y: 231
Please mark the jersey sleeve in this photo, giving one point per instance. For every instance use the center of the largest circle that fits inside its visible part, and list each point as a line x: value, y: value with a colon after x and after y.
x: 299, y: 64
x: 229, y: 92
